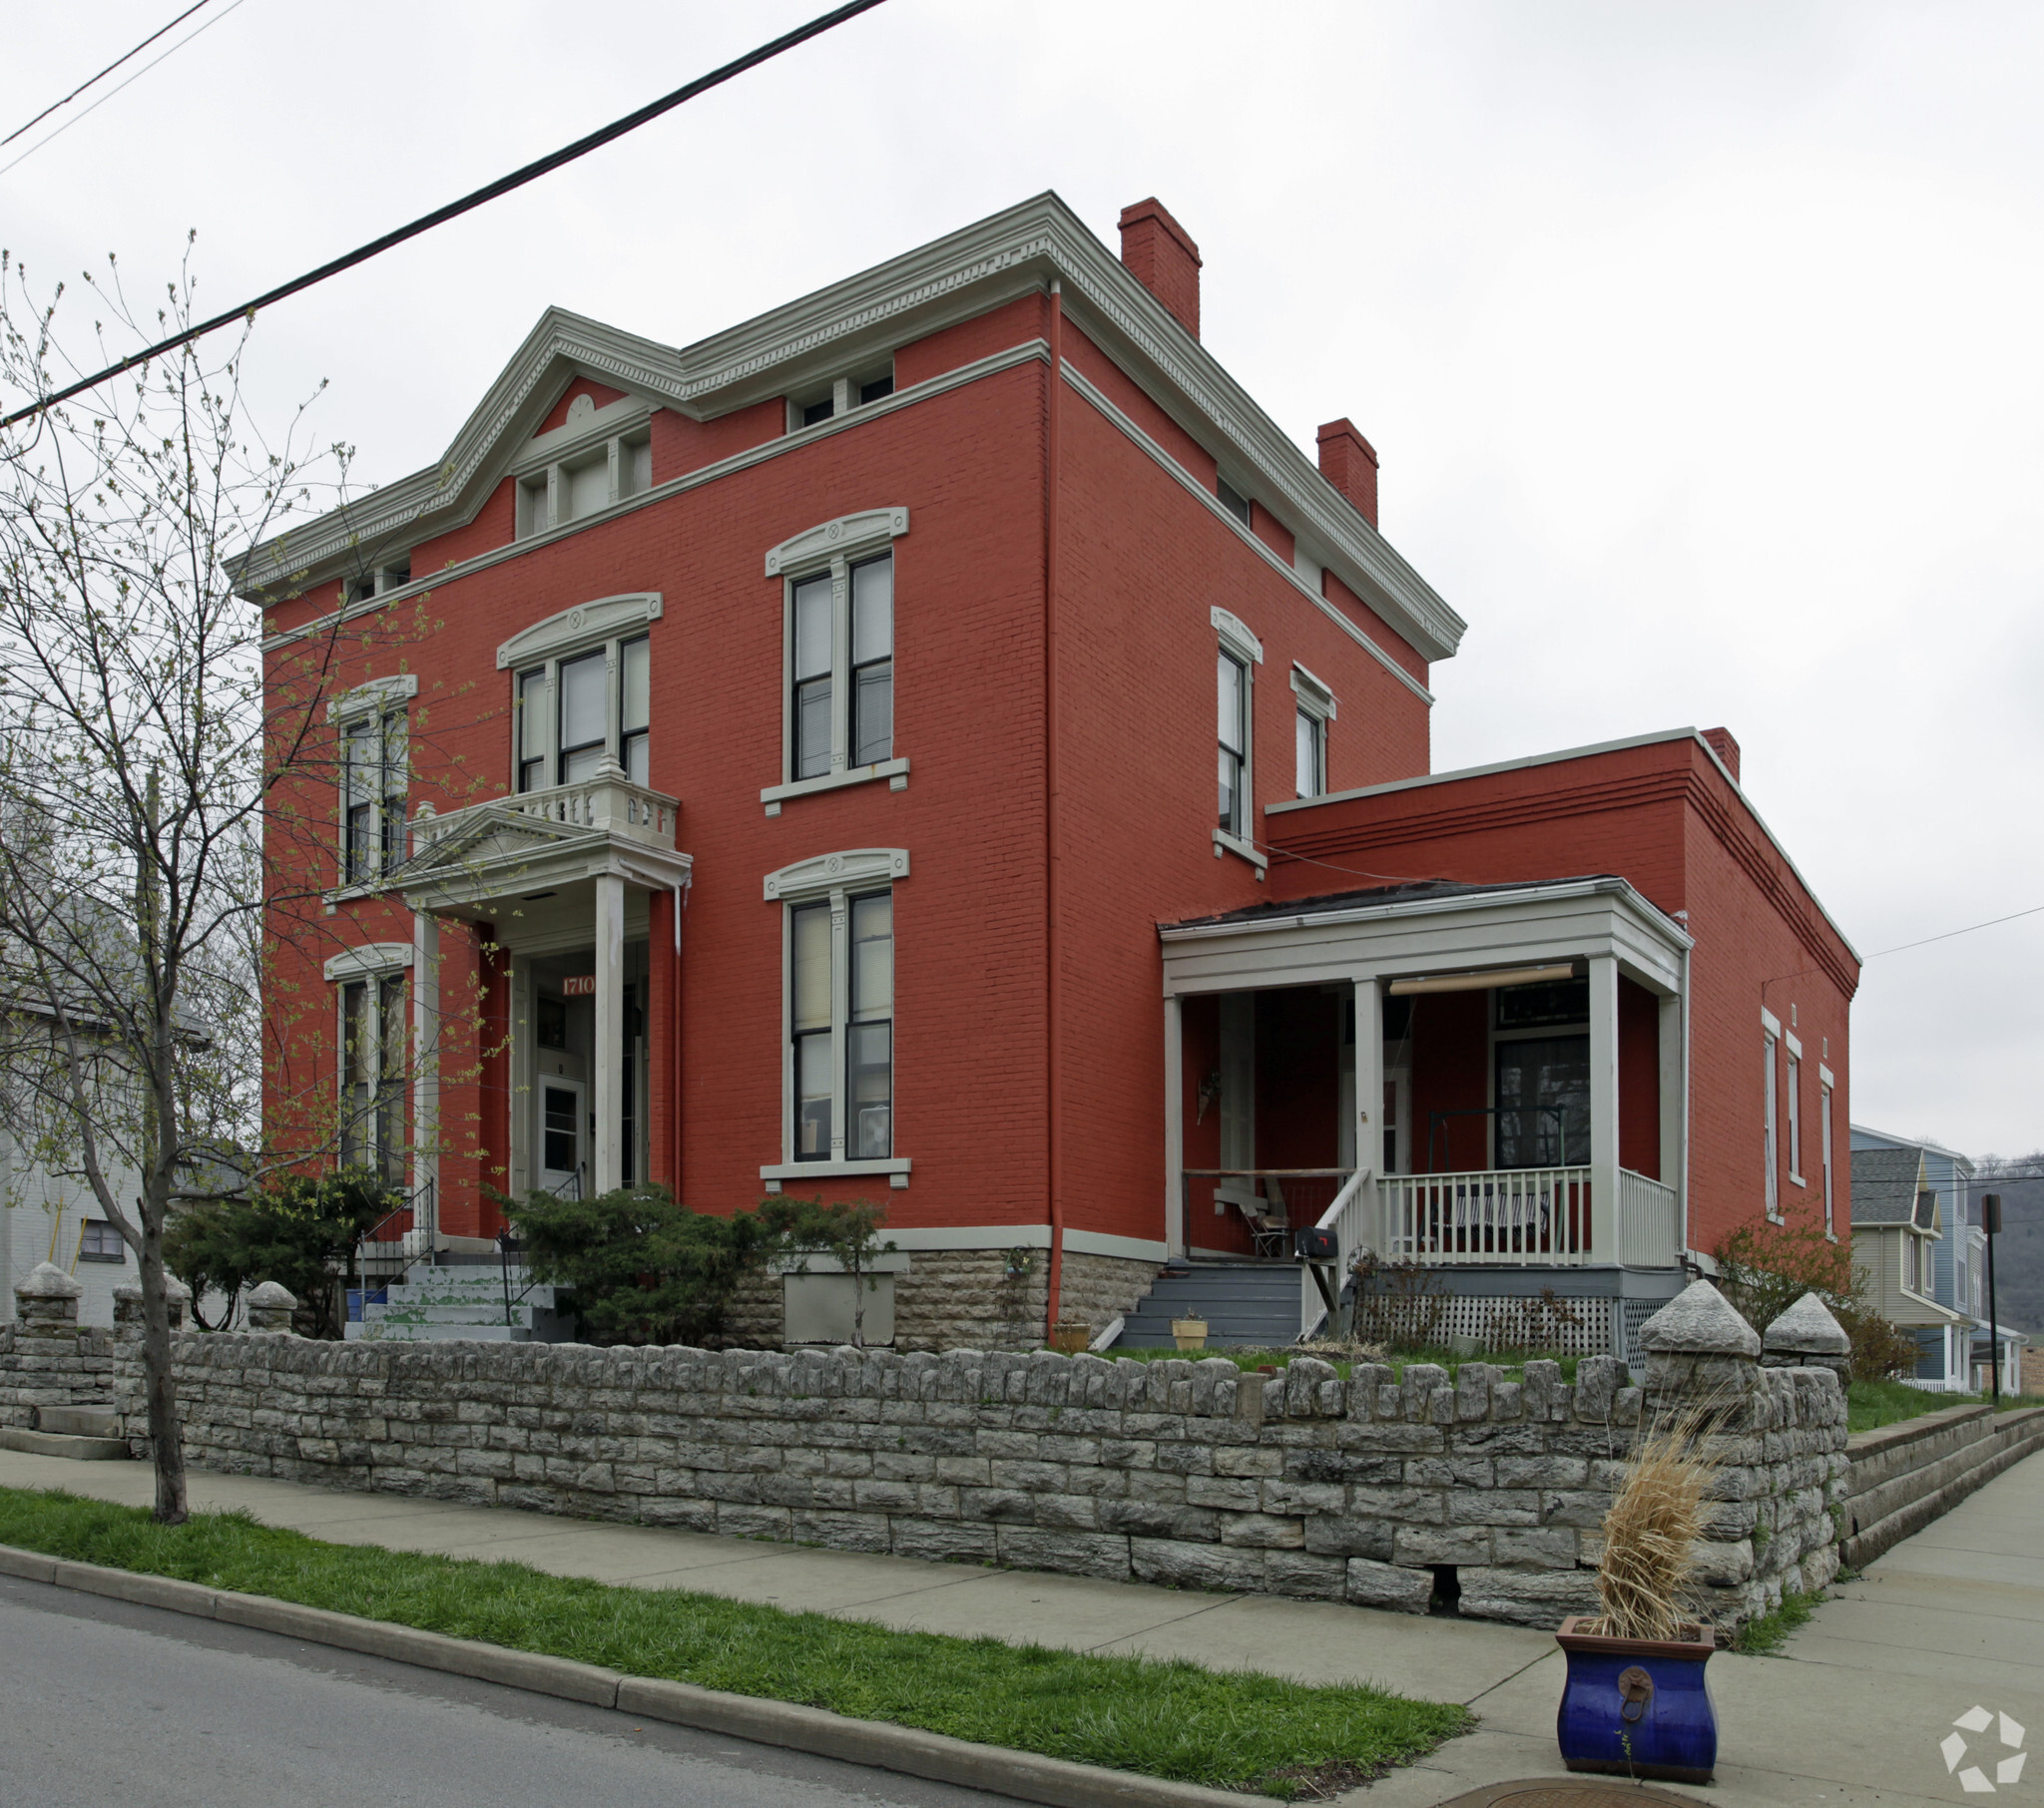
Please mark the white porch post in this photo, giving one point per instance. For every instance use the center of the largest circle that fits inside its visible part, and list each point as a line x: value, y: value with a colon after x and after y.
x: 608, y: 1154
x: 425, y: 1070
x: 1603, y: 1107
x: 1370, y: 1096
x: 1174, y: 1125
x: 1673, y: 1069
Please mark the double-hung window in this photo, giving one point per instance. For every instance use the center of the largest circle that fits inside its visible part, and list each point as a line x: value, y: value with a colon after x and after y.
x: 838, y: 915
x: 842, y: 1027
x: 372, y: 1071
x: 375, y: 776
x: 1794, y: 1086
x: 1237, y: 655
x: 841, y: 635
x: 1770, y: 1133
x: 838, y: 588
x: 1824, y: 1099
x: 1310, y: 732
x: 575, y: 713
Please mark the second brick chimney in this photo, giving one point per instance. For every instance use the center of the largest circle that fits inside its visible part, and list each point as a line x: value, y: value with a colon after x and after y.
x: 1350, y: 463
x: 1161, y: 256
x: 1725, y: 748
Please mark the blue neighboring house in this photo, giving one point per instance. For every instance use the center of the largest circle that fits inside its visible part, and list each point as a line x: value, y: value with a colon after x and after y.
x: 1953, y: 1260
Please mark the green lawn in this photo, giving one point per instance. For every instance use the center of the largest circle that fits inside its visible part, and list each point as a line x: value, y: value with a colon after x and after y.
x: 1226, y: 1728
x: 1870, y: 1404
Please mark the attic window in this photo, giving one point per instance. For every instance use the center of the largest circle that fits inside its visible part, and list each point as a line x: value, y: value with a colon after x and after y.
x: 812, y: 407
x: 368, y: 585
x: 1233, y: 500
x: 585, y: 483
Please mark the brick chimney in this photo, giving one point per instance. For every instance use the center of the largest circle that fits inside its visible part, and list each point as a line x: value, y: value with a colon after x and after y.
x: 1725, y: 748
x: 1350, y: 463
x: 1161, y: 256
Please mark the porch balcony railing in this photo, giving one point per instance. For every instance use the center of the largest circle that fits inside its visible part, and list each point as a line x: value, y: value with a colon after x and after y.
x: 608, y: 802
x: 408, y: 1234
x: 1538, y: 1216
x: 1649, y: 1221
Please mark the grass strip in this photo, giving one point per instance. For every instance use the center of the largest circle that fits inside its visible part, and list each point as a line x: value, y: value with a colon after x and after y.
x: 1229, y: 1729
x: 1872, y: 1404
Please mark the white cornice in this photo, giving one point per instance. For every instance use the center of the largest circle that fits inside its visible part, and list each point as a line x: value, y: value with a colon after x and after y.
x: 815, y: 547
x: 370, y: 957
x: 584, y: 623
x: 819, y: 877
x: 954, y: 277
x: 373, y: 695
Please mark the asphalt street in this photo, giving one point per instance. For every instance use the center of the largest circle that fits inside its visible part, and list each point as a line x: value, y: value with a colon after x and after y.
x: 109, y: 1703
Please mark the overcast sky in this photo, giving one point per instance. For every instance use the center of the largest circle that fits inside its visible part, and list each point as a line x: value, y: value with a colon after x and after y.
x: 1700, y: 343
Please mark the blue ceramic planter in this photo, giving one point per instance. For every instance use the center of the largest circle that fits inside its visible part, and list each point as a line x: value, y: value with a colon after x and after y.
x: 1637, y: 1707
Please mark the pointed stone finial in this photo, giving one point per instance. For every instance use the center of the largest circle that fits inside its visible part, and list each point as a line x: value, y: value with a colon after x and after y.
x: 1807, y: 1336
x: 270, y: 1307
x: 47, y: 1282
x: 1698, y: 1321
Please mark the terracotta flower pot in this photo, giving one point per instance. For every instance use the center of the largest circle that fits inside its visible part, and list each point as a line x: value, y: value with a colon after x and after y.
x: 1188, y: 1333
x: 1636, y: 1707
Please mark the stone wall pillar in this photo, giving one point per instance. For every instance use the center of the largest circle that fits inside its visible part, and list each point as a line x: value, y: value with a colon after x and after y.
x: 1778, y: 1435
x: 46, y: 1366
x: 1806, y: 1336
x: 270, y: 1307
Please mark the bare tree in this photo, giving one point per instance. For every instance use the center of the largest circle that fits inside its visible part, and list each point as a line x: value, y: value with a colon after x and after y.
x: 140, y: 752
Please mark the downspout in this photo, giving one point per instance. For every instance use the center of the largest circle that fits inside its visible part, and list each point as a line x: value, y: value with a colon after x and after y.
x: 675, y: 902
x: 1053, y: 1017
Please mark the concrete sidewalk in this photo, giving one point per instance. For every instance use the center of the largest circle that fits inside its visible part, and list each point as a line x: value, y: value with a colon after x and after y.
x: 1948, y: 1619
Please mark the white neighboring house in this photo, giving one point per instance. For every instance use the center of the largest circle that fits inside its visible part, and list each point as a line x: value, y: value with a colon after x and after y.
x: 46, y: 1218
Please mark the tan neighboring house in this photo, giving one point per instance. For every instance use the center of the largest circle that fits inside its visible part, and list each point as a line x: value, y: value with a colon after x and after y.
x: 1897, y: 1223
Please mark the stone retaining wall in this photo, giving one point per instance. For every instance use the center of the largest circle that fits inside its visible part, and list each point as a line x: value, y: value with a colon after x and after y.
x: 1901, y: 1477
x: 1484, y: 1495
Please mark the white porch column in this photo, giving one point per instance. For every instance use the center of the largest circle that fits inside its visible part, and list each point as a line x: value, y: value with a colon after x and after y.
x: 607, y: 1156
x: 1370, y: 1096
x: 425, y: 1072
x: 1174, y: 1125
x: 1603, y: 1107
x: 1674, y: 1069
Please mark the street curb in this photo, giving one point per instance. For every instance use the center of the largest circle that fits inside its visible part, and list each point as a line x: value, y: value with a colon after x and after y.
x: 878, y: 1745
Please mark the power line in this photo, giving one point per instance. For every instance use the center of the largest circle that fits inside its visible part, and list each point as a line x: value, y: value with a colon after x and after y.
x: 504, y: 185
x: 1928, y: 940
x: 108, y: 70
x: 88, y: 112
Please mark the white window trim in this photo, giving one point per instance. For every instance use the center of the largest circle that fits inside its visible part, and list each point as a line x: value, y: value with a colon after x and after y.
x: 578, y: 629
x: 834, y: 547
x: 1770, y: 1120
x: 1829, y: 1150
x: 1316, y: 695
x: 1236, y: 637
x: 1771, y: 1022
x: 838, y: 878
x: 1791, y: 1077
x: 843, y: 395
x: 371, y: 958
x: 376, y: 694
x: 619, y: 427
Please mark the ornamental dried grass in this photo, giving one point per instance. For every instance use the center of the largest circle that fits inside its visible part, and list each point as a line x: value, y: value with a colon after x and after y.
x: 1650, y: 1534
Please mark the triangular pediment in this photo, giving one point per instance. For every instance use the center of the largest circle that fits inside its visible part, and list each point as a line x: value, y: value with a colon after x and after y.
x: 487, y: 836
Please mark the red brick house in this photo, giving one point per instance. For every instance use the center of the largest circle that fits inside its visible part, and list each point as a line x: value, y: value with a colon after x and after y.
x: 789, y: 762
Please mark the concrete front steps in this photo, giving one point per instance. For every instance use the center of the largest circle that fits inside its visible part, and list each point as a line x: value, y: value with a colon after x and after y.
x: 466, y: 1304
x: 83, y: 1434
x: 1250, y: 1305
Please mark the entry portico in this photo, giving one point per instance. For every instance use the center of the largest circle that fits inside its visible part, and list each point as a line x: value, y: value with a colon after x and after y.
x: 1537, y: 1027
x: 563, y: 876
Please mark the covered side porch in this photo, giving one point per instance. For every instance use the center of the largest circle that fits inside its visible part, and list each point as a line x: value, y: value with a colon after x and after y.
x: 1485, y: 1084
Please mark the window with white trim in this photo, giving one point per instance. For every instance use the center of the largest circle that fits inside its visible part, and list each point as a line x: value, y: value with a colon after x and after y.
x: 1794, y: 1084
x: 1825, y: 1137
x: 585, y: 481
x: 840, y: 1017
x: 1235, y: 659
x: 376, y: 782
x: 99, y: 1241
x: 372, y: 1073
x: 575, y: 711
x: 825, y: 401
x: 1908, y: 1262
x: 841, y: 665
x: 1310, y: 732
x: 1770, y: 1135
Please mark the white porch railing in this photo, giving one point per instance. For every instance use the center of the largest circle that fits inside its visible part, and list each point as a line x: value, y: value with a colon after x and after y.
x: 1536, y: 1216
x: 608, y: 802
x: 1649, y: 1221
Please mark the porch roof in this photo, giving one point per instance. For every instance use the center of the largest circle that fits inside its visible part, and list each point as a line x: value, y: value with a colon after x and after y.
x: 1406, y: 892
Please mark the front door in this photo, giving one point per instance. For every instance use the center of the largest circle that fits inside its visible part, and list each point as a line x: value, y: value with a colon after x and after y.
x: 562, y: 1131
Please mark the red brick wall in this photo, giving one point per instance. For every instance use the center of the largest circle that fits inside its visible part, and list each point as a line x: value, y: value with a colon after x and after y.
x: 1639, y: 1080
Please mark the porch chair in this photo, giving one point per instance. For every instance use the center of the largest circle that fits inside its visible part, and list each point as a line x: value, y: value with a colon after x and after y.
x: 1269, y: 1225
